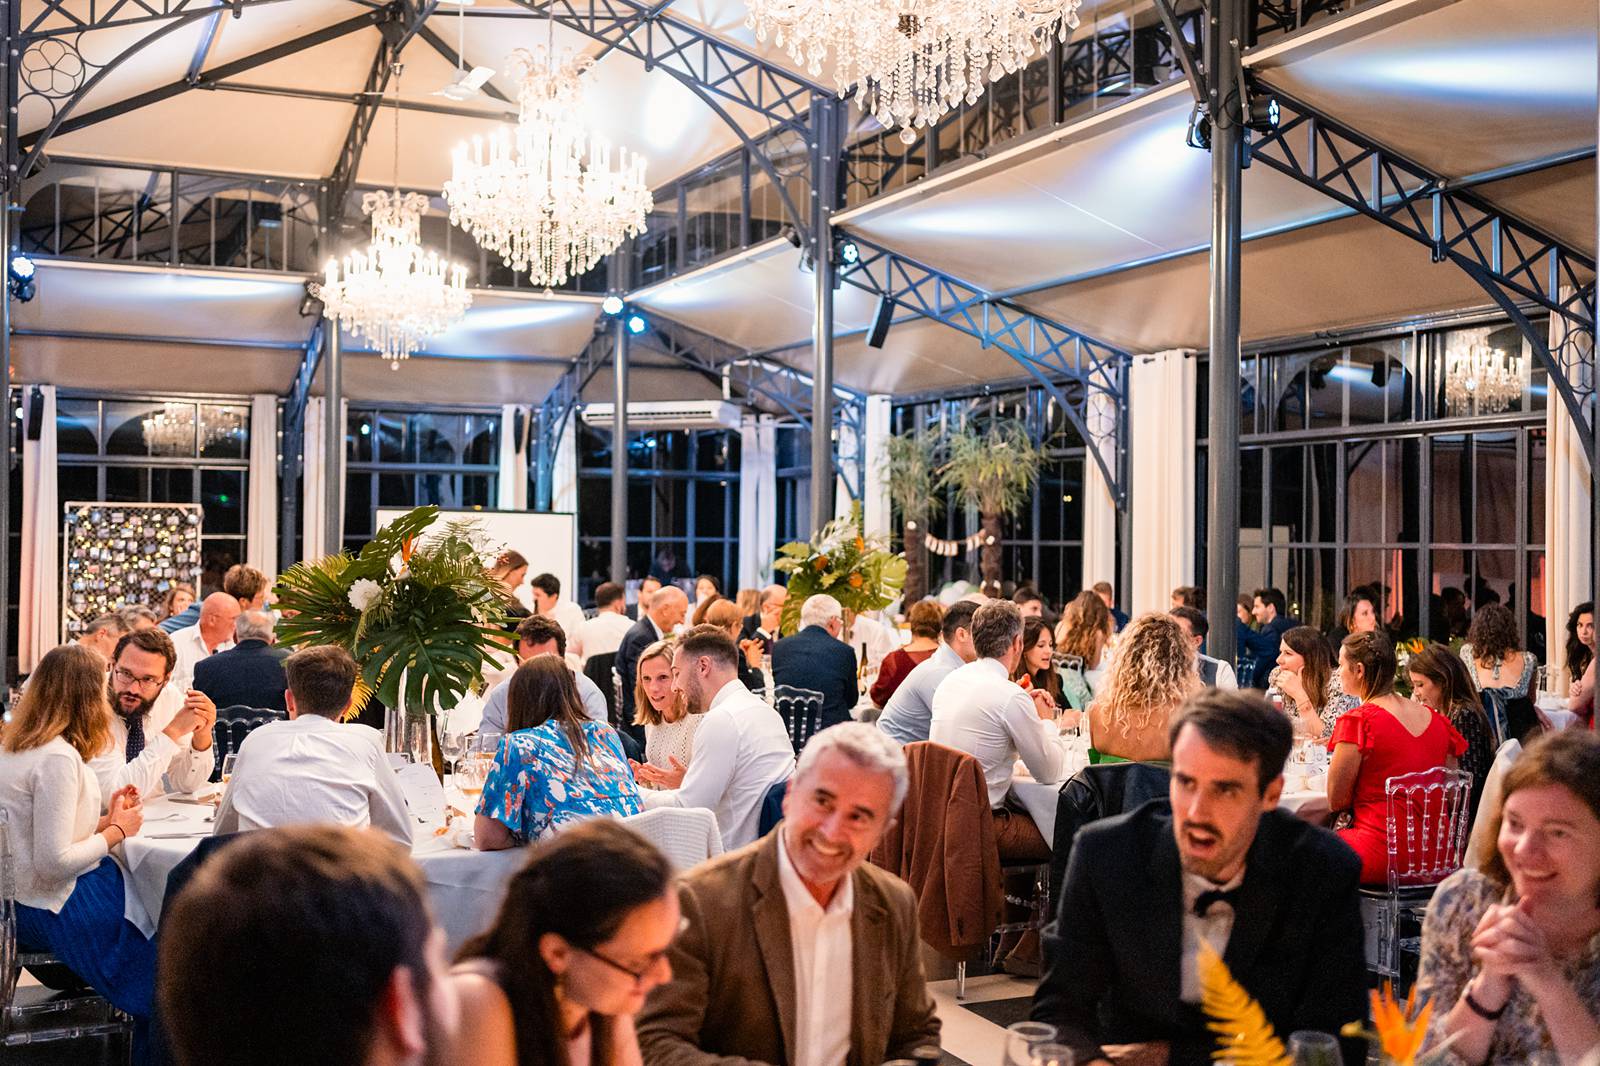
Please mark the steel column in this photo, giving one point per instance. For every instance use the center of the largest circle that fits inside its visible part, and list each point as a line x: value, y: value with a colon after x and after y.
x: 824, y: 193
x: 332, y: 439
x: 1223, y: 72
x: 619, y: 453
x: 1594, y: 427
x: 6, y: 229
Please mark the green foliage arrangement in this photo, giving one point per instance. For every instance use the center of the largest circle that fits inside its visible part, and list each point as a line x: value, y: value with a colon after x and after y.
x: 857, y: 570
x: 426, y: 611
x: 995, y: 470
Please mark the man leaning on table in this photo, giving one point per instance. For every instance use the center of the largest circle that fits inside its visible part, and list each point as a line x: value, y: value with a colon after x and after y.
x: 160, y: 734
x: 313, y: 769
x: 1275, y: 896
x: 794, y: 951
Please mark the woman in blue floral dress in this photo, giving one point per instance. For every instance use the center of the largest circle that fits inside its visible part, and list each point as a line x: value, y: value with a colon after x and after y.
x: 554, y: 766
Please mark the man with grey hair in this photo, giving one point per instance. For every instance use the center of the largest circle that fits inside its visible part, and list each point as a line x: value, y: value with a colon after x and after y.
x: 771, y: 931
x: 101, y: 634
x: 815, y: 658
x: 250, y: 674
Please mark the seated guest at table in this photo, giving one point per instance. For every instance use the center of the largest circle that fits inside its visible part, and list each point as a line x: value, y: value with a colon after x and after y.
x: 1509, y: 958
x: 924, y: 620
x: 554, y: 766
x: 101, y: 635
x: 741, y: 746
x: 1385, y: 736
x: 1151, y: 677
x: 211, y: 634
x: 250, y: 674
x: 1085, y: 633
x: 1028, y: 601
x: 724, y: 614
x: 667, y: 607
x: 539, y: 635
x: 245, y: 584
x: 1275, y: 896
x: 1108, y: 597
x: 1358, y: 614
x: 312, y: 768
x: 602, y: 634
x: 749, y: 601
x: 581, y: 939
x: 313, y: 946
x: 138, y: 617
x: 1214, y: 673
x: 763, y: 625
x: 1258, y: 643
x: 1037, y: 669
x: 69, y: 891
x: 157, y: 729
x: 1580, y: 641
x: 177, y: 600
x: 1189, y: 596
x: 510, y: 569
x: 668, y: 726
x: 795, y: 949
x: 1500, y: 669
x: 706, y: 589
x: 548, y: 601
x: 816, y: 658
x: 1307, y: 677
x: 979, y: 711
x: 909, y: 711
x: 1439, y: 681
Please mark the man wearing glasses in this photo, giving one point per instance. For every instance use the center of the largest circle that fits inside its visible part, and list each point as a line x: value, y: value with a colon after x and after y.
x: 156, y: 729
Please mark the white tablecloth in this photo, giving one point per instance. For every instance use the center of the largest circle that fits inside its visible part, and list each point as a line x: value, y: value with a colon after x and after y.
x: 464, y: 886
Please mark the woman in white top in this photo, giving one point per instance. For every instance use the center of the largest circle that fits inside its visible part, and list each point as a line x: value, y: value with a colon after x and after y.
x: 668, y: 725
x: 70, y: 894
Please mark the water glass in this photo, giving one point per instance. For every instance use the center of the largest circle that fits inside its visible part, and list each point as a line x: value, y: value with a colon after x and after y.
x: 1308, y: 1048
x: 487, y: 744
x: 227, y: 766
x: 452, y: 746
x: 1050, y: 1055
x: 1022, y: 1038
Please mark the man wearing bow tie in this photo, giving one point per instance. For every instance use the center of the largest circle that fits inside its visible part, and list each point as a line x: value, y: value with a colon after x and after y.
x: 1218, y: 861
x: 160, y: 734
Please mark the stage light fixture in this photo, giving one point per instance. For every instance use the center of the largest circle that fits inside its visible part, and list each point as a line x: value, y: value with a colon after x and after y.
x: 882, y: 319
x: 612, y: 305
x: 792, y: 235
x: 637, y: 324
x: 22, y: 268
x: 1265, y: 114
x: 21, y: 279
x: 849, y: 253
x: 1199, y: 135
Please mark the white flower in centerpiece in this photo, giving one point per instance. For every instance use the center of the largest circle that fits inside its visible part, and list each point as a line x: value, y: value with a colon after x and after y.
x: 364, y: 593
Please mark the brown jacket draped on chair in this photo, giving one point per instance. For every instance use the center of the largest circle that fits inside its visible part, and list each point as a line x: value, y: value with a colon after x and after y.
x: 944, y: 847
x: 731, y: 1000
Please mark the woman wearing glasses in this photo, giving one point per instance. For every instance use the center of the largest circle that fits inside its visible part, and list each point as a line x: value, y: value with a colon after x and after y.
x: 579, y: 942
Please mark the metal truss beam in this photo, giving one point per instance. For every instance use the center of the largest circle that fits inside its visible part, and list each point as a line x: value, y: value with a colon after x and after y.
x: 1046, y: 349
x: 61, y: 18
x: 1516, y: 263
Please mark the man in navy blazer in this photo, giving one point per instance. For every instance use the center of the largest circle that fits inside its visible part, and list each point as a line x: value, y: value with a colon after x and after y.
x: 816, y: 658
x: 250, y: 673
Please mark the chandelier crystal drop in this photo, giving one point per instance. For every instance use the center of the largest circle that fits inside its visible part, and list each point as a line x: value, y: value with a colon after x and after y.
x: 395, y: 293
x: 1480, y: 378
x: 913, y: 60
x: 550, y: 197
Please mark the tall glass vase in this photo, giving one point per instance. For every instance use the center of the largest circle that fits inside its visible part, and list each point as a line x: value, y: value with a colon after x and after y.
x: 407, y: 733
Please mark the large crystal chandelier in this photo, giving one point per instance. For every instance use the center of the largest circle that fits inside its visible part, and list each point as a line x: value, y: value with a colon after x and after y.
x: 394, y: 293
x: 550, y: 197
x: 1480, y: 377
x: 913, y: 59
x: 171, y: 430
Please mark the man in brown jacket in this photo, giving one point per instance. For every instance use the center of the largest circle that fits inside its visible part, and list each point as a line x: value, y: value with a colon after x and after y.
x: 794, y: 951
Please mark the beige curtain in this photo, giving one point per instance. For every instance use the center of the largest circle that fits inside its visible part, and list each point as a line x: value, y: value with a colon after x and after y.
x: 1099, y: 507
x: 261, y: 544
x: 39, y: 598
x: 1161, y: 398
x: 1566, y: 521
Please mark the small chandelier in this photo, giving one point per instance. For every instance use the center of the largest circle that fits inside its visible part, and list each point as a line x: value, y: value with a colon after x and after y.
x: 550, y: 197
x: 1480, y: 377
x: 914, y: 60
x: 395, y: 294
x: 171, y: 430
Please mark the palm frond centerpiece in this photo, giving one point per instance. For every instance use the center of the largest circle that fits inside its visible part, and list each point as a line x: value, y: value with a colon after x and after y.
x: 853, y: 567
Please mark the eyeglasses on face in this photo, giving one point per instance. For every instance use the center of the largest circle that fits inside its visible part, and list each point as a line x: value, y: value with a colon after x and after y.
x: 126, y: 678
x: 650, y: 961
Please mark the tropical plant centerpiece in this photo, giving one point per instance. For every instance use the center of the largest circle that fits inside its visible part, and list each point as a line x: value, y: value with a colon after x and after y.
x: 420, y: 613
x: 856, y: 569
x: 910, y: 466
x: 994, y: 470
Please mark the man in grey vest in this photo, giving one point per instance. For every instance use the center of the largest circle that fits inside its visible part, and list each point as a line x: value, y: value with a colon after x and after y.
x: 1213, y: 672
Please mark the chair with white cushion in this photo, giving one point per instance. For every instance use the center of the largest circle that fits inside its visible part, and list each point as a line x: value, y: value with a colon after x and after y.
x: 687, y: 836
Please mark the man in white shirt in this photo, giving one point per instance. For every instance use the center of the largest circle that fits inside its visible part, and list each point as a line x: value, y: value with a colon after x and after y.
x: 538, y: 635
x: 799, y: 927
x: 1213, y: 672
x: 157, y: 729
x: 741, y: 747
x: 907, y: 715
x: 979, y: 710
x: 602, y: 634
x: 546, y: 591
x: 313, y: 769
x: 212, y: 633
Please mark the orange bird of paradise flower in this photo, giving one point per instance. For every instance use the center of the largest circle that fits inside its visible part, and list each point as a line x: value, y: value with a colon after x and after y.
x: 1401, y: 1029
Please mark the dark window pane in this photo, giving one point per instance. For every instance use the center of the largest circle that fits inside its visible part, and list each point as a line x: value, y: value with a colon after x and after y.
x: 1452, y: 489
x: 1327, y: 392
x: 172, y: 485
x: 1250, y: 473
x: 1495, y: 462
x: 77, y: 427
x: 222, y: 494
x: 358, y: 437
x: 1287, y: 496
x: 391, y: 432
x: 358, y: 505
x: 76, y: 484
x: 714, y: 451
x: 1535, y: 482
x: 478, y: 490
x: 127, y: 484
x: 711, y: 509
x: 225, y: 431
x: 136, y: 427
x: 483, y: 440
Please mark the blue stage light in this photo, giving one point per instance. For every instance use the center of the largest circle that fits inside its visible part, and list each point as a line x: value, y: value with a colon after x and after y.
x: 637, y: 324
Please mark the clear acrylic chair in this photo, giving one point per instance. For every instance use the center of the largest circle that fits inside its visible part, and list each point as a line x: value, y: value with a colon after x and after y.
x: 801, y: 711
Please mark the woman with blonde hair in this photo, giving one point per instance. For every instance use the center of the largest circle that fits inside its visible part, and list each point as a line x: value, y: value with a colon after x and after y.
x: 70, y: 893
x: 1153, y: 673
x: 668, y: 725
x: 1085, y: 633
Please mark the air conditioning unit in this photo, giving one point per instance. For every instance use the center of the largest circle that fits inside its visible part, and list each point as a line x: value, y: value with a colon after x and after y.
x: 667, y: 414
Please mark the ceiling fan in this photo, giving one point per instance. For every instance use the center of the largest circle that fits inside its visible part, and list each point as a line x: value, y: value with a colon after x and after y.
x: 468, y: 83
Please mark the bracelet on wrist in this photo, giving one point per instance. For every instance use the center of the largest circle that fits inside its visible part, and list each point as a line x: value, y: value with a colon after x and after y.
x: 1479, y: 1009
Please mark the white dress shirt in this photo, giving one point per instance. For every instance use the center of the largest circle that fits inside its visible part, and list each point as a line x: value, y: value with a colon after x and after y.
x: 907, y: 714
x: 600, y: 635
x: 980, y: 711
x: 1215, y: 928
x: 569, y: 616
x: 823, y: 966
x: 872, y: 639
x: 53, y: 802
x: 313, y: 770
x: 741, y: 749
x: 185, y: 768
x: 191, y: 648
x: 496, y: 714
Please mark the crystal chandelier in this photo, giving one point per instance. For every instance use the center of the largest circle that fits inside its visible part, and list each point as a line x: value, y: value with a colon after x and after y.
x: 549, y: 197
x: 913, y: 59
x: 395, y: 294
x: 1480, y: 377
x: 171, y: 430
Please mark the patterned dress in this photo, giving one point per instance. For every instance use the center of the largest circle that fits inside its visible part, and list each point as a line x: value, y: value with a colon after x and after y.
x: 1498, y: 691
x: 1334, y: 701
x: 537, y: 784
x: 1520, y: 1035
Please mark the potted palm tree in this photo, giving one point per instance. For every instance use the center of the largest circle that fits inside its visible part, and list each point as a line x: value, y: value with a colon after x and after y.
x: 910, y: 466
x: 993, y: 469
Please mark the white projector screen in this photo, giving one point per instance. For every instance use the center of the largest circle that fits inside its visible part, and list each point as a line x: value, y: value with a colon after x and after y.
x: 549, y: 541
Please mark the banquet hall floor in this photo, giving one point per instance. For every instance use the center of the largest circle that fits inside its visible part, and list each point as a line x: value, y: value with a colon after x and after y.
x: 968, y: 1036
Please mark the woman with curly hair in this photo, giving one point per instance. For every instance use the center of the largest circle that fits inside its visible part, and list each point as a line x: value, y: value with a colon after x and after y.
x: 1580, y: 640
x: 1501, y: 670
x: 1085, y: 633
x: 1152, y: 675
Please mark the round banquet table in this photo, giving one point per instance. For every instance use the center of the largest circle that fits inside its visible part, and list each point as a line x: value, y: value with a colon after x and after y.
x: 464, y: 886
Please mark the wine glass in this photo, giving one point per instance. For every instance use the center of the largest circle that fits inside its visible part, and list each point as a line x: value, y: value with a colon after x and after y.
x: 1022, y: 1037
x: 452, y: 746
x: 1050, y: 1054
x: 228, y: 761
x: 1308, y: 1048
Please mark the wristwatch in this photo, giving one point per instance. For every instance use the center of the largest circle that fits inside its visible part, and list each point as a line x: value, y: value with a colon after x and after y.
x: 1479, y: 1009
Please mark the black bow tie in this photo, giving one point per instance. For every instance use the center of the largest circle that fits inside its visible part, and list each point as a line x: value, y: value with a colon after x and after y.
x: 1203, y: 903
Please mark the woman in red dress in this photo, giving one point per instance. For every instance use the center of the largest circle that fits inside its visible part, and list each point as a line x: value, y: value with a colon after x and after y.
x: 925, y: 619
x: 1387, y: 735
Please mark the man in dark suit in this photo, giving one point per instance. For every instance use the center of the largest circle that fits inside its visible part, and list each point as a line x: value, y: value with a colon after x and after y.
x: 763, y: 625
x: 250, y: 673
x: 668, y: 605
x: 817, y: 659
x: 1274, y: 896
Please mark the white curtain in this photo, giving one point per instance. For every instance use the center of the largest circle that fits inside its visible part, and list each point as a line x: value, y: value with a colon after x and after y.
x: 876, y: 516
x: 844, y: 445
x: 564, y: 474
x: 513, y: 494
x: 39, y: 598
x: 312, y: 499
x: 1099, y: 507
x: 758, y: 500
x: 1566, y: 521
x: 1161, y: 390
x: 261, y: 544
